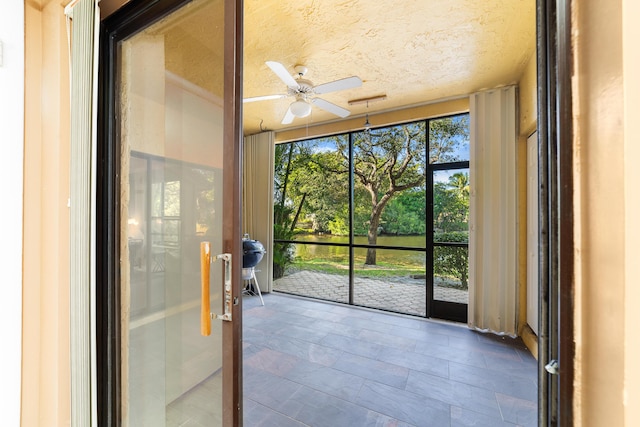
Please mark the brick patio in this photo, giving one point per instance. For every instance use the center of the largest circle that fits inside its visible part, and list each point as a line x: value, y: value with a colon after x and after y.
x: 403, y: 295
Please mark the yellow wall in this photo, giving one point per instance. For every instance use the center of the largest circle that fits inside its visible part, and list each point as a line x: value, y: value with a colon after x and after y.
x: 441, y: 108
x: 45, y: 370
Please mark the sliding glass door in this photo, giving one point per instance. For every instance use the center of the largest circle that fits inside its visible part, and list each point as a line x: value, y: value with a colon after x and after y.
x: 172, y: 347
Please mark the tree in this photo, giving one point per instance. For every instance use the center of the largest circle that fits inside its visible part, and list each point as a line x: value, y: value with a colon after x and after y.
x: 451, y: 222
x: 286, y: 160
x: 386, y: 162
x: 451, y: 203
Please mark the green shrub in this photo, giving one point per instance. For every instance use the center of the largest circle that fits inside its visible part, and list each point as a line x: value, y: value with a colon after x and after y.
x: 452, y: 261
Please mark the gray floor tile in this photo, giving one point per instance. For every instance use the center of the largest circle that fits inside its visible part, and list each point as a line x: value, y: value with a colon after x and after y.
x: 267, y: 389
x: 388, y: 339
x: 375, y: 370
x: 403, y: 405
x: 518, y: 411
x: 352, y: 345
x: 415, y: 361
x: 310, y: 363
x: 257, y: 415
x: 304, y: 350
x: 465, y: 418
x: 454, y: 393
x: 450, y: 354
x: 303, y: 333
x: 495, y: 380
x: 327, y: 380
x: 319, y: 409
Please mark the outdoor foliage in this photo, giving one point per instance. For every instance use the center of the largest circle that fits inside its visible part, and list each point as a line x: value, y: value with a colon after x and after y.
x: 389, y: 172
x: 452, y: 261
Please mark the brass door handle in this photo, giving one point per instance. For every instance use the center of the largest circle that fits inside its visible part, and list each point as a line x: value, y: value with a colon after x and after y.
x: 205, y: 271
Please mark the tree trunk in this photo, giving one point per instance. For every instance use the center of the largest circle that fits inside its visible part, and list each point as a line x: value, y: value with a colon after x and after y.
x: 373, y: 236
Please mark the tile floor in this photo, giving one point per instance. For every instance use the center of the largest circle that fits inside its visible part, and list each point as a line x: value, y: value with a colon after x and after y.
x: 311, y: 363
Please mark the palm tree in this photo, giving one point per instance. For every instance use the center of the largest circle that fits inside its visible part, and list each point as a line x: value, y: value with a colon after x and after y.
x: 459, y: 182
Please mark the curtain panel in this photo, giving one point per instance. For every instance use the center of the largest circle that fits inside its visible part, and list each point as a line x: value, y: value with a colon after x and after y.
x: 83, y: 25
x: 257, y: 199
x: 493, y: 233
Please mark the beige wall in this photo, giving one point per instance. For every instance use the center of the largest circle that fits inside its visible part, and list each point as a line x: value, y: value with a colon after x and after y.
x: 45, y: 382
x: 603, y: 246
x: 435, y: 109
x: 528, y: 98
x: 528, y: 112
x: 631, y: 70
x: 11, y: 216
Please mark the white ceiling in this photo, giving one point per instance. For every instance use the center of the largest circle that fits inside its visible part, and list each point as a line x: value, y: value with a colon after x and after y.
x: 412, y: 51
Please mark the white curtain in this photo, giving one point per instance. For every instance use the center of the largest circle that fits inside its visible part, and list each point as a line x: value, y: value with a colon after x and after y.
x: 492, y: 240
x: 257, y: 200
x: 83, y: 25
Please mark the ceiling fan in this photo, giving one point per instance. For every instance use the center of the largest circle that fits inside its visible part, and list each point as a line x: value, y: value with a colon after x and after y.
x: 303, y: 91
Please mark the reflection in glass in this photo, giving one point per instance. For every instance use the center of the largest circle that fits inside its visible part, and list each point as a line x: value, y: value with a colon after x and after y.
x: 171, y: 132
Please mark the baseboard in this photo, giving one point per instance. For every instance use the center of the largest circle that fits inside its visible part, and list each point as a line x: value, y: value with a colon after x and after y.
x: 530, y: 339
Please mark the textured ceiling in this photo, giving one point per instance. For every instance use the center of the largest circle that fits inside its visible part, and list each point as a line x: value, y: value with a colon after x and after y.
x: 413, y: 51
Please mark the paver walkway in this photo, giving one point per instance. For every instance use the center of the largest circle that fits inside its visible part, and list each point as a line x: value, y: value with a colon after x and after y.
x: 403, y: 295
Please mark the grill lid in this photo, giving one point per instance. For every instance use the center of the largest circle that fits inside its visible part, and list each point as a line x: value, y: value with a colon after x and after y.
x: 253, y: 251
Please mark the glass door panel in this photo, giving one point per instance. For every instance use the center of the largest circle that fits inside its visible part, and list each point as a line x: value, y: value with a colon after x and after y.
x: 171, y: 133
x: 450, y: 242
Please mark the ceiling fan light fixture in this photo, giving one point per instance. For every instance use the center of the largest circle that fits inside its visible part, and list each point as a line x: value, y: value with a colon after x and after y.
x: 300, y: 108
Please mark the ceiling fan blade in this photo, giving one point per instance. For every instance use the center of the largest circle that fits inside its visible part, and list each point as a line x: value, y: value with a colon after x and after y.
x: 288, y: 117
x: 346, y: 83
x: 264, y: 98
x: 332, y: 108
x: 284, y: 75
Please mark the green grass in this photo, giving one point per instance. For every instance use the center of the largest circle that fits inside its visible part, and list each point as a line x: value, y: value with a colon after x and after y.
x: 340, y: 266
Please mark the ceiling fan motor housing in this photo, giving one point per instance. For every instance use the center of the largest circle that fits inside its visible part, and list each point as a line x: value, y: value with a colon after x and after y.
x: 305, y: 87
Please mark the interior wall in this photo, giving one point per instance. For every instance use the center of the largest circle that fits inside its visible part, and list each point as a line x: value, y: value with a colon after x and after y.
x: 631, y: 71
x: 45, y: 334
x: 11, y: 172
x: 435, y: 109
x: 599, y: 210
x: 528, y: 121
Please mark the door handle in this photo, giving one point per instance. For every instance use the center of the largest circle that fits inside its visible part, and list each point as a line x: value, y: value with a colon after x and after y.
x: 205, y: 271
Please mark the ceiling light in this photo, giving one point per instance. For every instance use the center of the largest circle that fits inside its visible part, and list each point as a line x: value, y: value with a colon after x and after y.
x: 300, y: 108
x: 367, y: 125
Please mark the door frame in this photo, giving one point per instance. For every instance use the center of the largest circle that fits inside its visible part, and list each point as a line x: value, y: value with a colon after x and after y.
x: 126, y: 21
x: 555, y: 196
x: 438, y: 309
